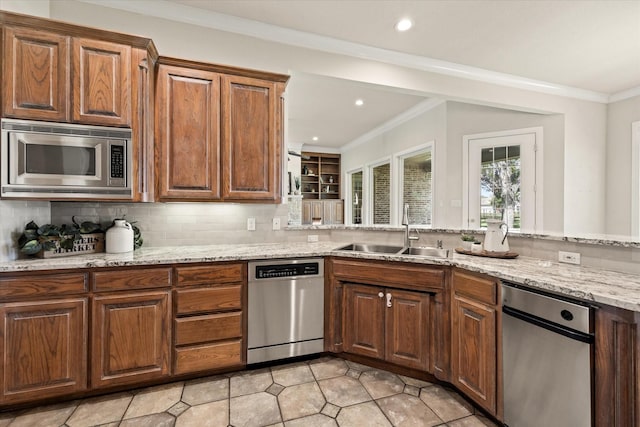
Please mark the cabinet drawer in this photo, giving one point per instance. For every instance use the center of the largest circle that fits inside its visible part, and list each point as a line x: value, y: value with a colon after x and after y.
x: 132, y: 279
x: 45, y: 284
x: 212, y: 327
x: 208, y: 357
x: 208, y: 299
x: 210, y: 275
x: 483, y: 289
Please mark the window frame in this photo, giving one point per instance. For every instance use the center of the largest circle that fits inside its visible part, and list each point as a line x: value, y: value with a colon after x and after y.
x: 368, y: 190
x: 348, y: 208
x: 398, y: 189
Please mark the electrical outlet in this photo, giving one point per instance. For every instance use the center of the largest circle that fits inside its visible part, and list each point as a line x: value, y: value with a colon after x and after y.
x: 276, y: 223
x: 312, y: 238
x: 569, y: 257
x: 251, y: 224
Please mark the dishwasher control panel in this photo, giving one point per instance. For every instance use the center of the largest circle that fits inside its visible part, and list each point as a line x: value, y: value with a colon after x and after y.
x: 287, y: 270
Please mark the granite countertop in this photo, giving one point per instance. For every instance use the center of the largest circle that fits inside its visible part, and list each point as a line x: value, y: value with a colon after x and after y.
x: 589, y: 284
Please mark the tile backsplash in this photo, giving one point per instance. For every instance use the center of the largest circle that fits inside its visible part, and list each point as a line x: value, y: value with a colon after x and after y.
x: 174, y: 224
x: 14, y: 215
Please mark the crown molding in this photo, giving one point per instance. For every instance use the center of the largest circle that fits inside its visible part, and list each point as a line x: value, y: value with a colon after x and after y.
x: 625, y: 94
x: 320, y: 149
x: 405, y: 116
x: 205, y: 18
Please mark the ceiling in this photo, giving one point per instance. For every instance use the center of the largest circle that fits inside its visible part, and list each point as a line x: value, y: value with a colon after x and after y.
x: 591, y: 45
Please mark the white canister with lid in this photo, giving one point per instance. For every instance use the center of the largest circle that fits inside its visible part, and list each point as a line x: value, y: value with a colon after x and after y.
x: 119, y: 237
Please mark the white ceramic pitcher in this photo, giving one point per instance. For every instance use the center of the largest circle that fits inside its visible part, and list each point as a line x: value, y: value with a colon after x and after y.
x: 495, y: 239
x: 119, y: 237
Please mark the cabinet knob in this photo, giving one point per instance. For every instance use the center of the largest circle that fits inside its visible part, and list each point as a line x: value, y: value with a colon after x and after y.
x: 381, y: 294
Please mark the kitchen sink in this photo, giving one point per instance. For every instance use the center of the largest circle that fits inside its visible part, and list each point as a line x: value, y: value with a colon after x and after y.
x: 426, y: 251
x: 397, y: 250
x: 364, y: 247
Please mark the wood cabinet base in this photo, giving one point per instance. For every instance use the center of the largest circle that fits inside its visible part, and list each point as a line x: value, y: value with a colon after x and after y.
x: 208, y: 356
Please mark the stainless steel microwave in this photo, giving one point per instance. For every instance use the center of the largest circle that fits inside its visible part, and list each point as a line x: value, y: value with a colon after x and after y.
x: 64, y: 161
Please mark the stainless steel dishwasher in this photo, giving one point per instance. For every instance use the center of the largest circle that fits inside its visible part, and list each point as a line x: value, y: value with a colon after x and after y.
x: 547, y: 348
x: 286, y: 309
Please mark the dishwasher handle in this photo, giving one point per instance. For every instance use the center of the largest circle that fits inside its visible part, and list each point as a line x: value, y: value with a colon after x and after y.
x: 550, y: 326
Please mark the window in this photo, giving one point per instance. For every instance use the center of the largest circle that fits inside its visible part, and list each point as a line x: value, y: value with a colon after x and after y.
x: 416, y: 187
x: 381, y: 193
x: 355, y: 196
x: 502, y: 179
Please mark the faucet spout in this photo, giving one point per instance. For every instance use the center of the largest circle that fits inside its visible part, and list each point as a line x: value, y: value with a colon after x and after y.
x: 405, y: 215
x: 407, y: 230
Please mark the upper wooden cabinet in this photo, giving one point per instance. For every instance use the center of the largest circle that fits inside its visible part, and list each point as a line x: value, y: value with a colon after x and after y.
x: 101, y: 82
x: 219, y: 132
x: 47, y: 74
x: 188, y: 136
x: 35, y: 81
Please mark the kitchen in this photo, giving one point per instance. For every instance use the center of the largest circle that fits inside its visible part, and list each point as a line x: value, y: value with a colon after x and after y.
x: 584, y: 121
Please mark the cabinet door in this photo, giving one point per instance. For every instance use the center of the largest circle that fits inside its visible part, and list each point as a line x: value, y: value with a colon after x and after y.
x: 333, y: 212
x: 43, y: 348
x: 35, y: 75
x: 187, y: 120
x: 101, y: 83
x: 251, y: 164
x: 617, y: 368
x: 473, y: 359
x: 364, y: 320
x: 407, y: 328
x: 131, y: 338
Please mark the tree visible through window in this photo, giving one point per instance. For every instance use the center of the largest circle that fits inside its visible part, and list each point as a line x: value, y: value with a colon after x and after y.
x: 500, y: 185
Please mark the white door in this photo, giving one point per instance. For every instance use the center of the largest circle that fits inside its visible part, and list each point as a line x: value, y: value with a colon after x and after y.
x: 501, y: 180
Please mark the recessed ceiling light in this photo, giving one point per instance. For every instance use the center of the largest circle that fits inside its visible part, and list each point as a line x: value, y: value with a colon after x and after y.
x: 315, y: 138
x: 359, y: 102
x: 404, y: 25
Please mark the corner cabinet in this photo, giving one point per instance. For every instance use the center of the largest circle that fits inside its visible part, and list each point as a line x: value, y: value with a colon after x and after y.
x: 475, y: 355
x: 219, y: 132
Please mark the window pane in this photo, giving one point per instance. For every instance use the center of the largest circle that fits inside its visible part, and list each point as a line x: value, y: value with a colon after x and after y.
x: 500, y: 185
x: 356, y: 197
x: 381, y: 194
x: 417, y: 187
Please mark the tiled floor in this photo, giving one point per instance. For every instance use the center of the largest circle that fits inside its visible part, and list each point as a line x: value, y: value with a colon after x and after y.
x: 322, y: 392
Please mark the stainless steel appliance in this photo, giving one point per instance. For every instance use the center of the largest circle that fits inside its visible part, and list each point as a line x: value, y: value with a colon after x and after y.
x: 61, y: 161
x: 547, y: 346
x: 286, y: 309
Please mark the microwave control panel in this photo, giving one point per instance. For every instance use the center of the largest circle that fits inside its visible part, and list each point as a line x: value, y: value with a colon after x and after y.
x: 117, y: 161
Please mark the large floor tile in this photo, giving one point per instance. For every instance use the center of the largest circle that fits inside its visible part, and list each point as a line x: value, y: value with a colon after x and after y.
x: 362, y: 414
x: 154, y: 400
x: 258, y: 409
x: 328, y: 367
x: 408, y: 411
x: 100, y: 410
x: 289, y: 375
x: 344, y: 391
x: 300, y: 400
x: 381, y: 383
x: 212, y: 414
x: 472, y: 421
x: 205, y: 390
x: 250, y: 382
x: 54, y: 415
x: 162, y: 419
x: 317, y: 420
x: 447, y: 406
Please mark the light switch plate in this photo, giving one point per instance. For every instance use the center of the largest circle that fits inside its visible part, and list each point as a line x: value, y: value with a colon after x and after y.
x: 251, y: 224
x: 276, y: 223
x: 312, y: 238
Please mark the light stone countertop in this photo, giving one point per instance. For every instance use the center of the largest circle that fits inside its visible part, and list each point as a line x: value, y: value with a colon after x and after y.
x: 589, y: 284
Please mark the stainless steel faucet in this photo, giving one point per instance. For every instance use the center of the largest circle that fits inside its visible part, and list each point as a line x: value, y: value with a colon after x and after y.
x: 407, y: 231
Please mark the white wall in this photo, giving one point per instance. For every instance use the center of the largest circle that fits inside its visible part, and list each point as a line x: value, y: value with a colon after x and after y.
x: 28, y: 7
x: 620, y: 115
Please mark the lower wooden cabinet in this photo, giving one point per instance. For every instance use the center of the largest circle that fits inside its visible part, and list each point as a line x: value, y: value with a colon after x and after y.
x: 617, y: 368
x: 43, y: 348
x: 209, y: 320
x: 388, y: 324
x: 474, y: 336
x: 130, y: 338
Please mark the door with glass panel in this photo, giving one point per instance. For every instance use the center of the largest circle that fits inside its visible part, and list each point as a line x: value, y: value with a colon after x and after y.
x: 502, y: 181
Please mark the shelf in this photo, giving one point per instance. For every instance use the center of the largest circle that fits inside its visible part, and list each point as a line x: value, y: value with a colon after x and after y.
x: 323, y: 165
